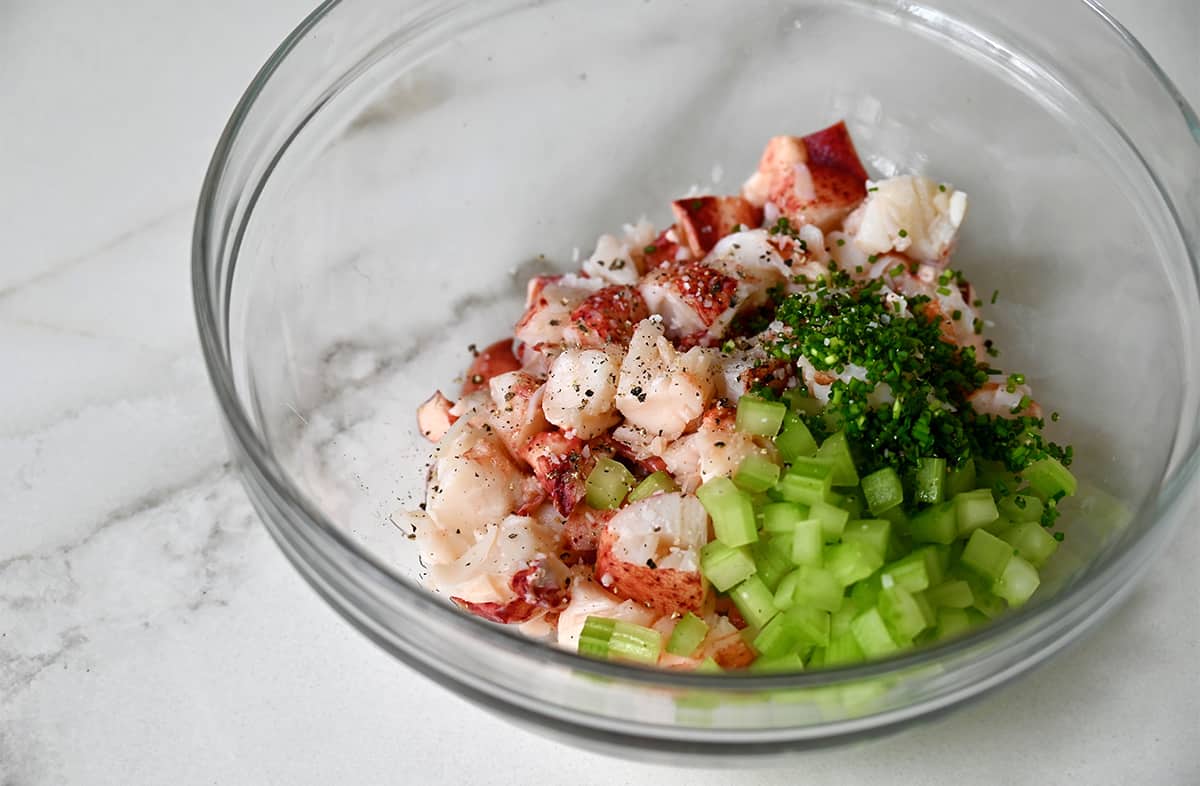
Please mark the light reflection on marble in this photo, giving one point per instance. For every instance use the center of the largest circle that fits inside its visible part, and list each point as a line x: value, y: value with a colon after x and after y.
x: 150, y: 632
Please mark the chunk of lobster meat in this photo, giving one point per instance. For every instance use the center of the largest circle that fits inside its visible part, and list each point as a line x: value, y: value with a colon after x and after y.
x: 819, y: 382
x: 581, y: 532
x: 912, y: 215
x: 703, y: 220
x: 994, y: 398
x: 606, y: 317
x: 947, y: 305
x: 472, y: 480
x: 561, y: 464
x: 434, y: 418
x: 715, y: 449
x: 483, y: 572
x: 517, y: 409
x: 661, y: 390
x: 493, y: 361
x: 537, y: 589
x: 589, y: 599
x: 691, y: 297
x: 549, y: 302
x: 581, y: 391
x: 612, y: 262
x: 747, y: 366
x: 724, y: 644
x: 665, y: 250
x: 650, y: 553
x: 816, y: 179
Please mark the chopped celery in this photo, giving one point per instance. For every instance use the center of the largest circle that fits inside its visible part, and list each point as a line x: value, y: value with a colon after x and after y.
x: 780, y: 518
x: 809, y: 586
x: 1049, y: 479
x: 689, y: 632
x: 843, y: 650
x: 839, y: 620
x: 872, y: 634
x: 883, y: 490
x: 832, y: 518
x: 852, y: 502
x: 936, y: 524
x: 974, y: 509
x: 795, y: 440
x: 951, y: 622
x: 773, y: 559
x: 836, y: 449
x: 608, y: 483
x: 930, y: 482
x: 960, y: 479
x: 807, y: 542
x: 810, y: 626
x: 1032, y: 541
x: 955, y: 594
x: 865, y: 593
x: 725, y: 566
x: 759, y: 417
x: 1021, y: 507
x: 780, y: 665
x: 776, y: 638
x: 652, y: 484
x: 808, y: 480
x: 986, y: 554
x: 731, y: 511
x: 851, y: 561
x: 754, y: 601
x: 800, y: 402
x: 709, y: 666
x: 756, y: 473
x: 873, y: 533
x: 992, y: 475
x: 1018, y: 582
x: 902, y: 613
x: 619, y: 640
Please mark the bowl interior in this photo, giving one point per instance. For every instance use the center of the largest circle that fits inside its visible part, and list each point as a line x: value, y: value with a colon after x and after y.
x: 401, y: 223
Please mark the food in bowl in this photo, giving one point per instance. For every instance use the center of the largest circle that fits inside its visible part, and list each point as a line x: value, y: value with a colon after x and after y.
x: 771, y: 436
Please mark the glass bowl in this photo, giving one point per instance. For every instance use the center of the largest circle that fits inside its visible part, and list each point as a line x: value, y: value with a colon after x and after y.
x: 397, y: 171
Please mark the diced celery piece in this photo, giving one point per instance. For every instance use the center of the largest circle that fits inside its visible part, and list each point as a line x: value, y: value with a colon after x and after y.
x: 816, y: 658
x: 689, y: 632
x: 865, y: 593
x: 808, y: 480
x: 811, y: 626
x: 993, y: 475
x: 872, y: 634
x: 754, y: 601
x: 904, y: 617
x: 731, y: 511
x: 809, y: 586
x: 1049, y: 478
x: 1032, y: 541
x: 1021, y: 507
x: 873, y: 533
x: 807, y: 541
x: 1018, y: 582
x: 843, y: 650
x: 936, y: 524
x: 759, y: 417
x: 778, y: 637
x: 883, y: 490
x: 955, y: 594
x: 725, y: 566
x: 756, y: 473
x: 930, y: 482
x: 974, y: 509
x: 780, y: 665
x: 851, y: 561
x: 898, y: 518
x: 619, y: 640
x: 836, y: 448
x: 709, y: 666
x: 910, y: 573
x: 832, y: 518
x: 795, y: 440
x: 608, y: 483
x: 986, y: 554
x: 839, y: 620
x: 960, y: 478
x: 801, y: 402
x: 652, y: 484
x: 780, y: 518
x: 951, y: 622
x: 772, y: 559
x: 927, y: 610
x: 851, y: 501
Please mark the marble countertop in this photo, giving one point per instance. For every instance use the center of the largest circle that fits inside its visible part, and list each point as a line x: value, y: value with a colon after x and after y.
x: 150, y: 631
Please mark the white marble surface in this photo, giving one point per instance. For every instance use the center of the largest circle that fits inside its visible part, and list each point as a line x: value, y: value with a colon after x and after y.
x: 151, y: 633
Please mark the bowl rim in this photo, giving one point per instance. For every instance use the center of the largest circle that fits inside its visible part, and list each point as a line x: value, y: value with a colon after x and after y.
x: 247, y: 442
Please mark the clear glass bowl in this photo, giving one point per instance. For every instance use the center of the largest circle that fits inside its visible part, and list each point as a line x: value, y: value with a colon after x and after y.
x: 398, y: 170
